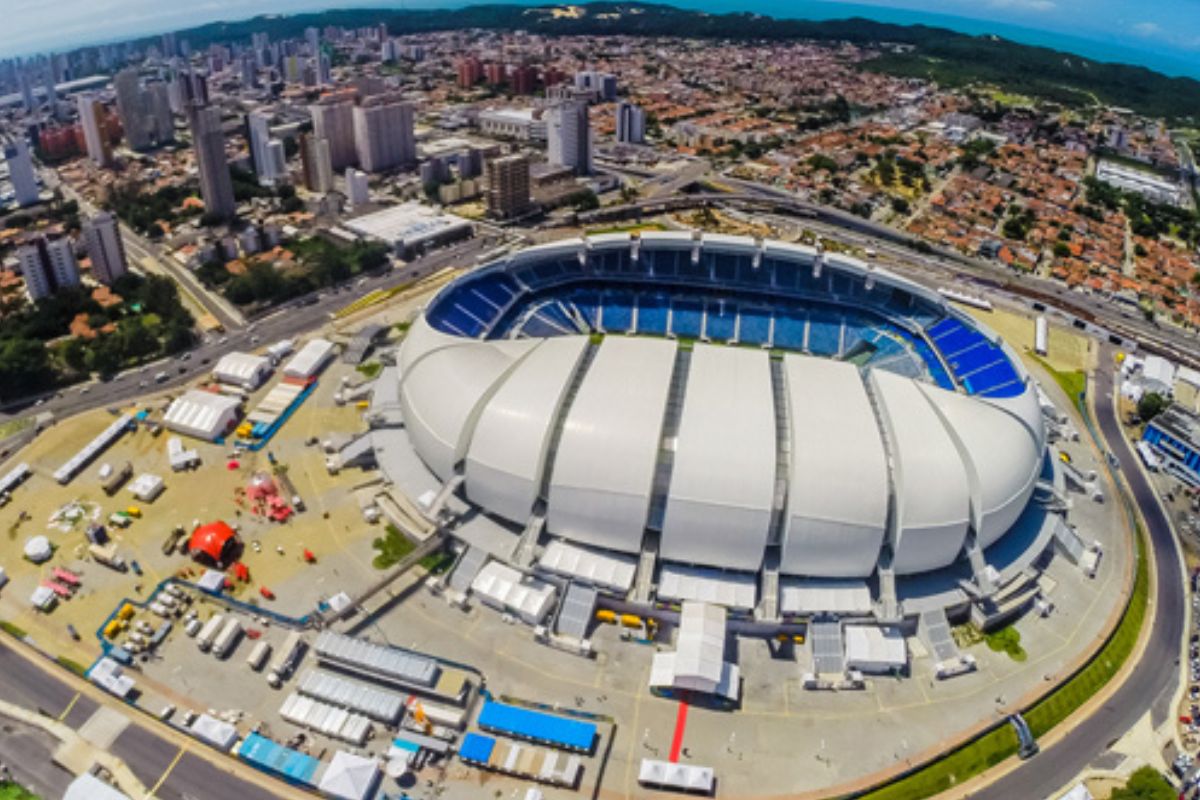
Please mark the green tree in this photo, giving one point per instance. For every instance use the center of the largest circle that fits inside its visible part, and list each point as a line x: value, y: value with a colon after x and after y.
x: 1151, y: 405
x: 24, y: 367
x: 1145, y: 784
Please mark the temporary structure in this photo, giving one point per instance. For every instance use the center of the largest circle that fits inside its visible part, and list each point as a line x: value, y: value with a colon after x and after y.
x: 38, y: 549
x: 350, y: 777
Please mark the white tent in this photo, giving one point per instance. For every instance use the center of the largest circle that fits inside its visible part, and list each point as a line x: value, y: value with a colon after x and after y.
x: 503, y: 587
x: 1078, y: 792
x: 147, y: 487
x: 242, y: 369
x: 874, y: 649
x: 350, y: 777
x: 684, y: 777
x: 220, y: 735
x: 38, y: 549
x: 203, y: 415
x: 42, y: 598
x: 310, y: 360
x: 698, y: 663
x: 89, y: 787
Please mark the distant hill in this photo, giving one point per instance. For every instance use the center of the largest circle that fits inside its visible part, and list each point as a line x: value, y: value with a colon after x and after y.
x: 946, y: 56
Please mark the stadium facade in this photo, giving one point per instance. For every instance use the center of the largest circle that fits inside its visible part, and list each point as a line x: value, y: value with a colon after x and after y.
x: 709, y: 411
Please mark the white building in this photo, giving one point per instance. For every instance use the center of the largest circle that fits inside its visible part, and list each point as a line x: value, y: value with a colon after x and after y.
x: 268, y: 159
x: 569, y: 136
x: 48, y: 266
x: 242, y: 369
x: 358, y: 189
x: 333, y: 120
x: 409, y: 227
x: 90, y: 116
x: 512, y: 123
x: 508, y: 590
x: 875, y: 650
x: 20, y: 173
x: 698, y: 663
x: 383, y: 134
x: 1145, y: 182
x: 202, y: 415
x: 105, y: 248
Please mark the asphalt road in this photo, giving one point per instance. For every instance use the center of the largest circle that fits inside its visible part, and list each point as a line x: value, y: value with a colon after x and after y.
x: 148, y: 754
x: 290, y: 320
x: 1155, y: 678
x: 27, y: 753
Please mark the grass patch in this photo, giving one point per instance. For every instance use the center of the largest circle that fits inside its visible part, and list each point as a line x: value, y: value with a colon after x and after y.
x: 14, y: 426
x: 370, y: 369
x: 437, y: 563
x: 12, y: 791
x: 391, y: 548
x: 957, y: 766
x: 1008, y: 641
x: 1073, y: 383
x: 71, y: 664
x: 12, y: 630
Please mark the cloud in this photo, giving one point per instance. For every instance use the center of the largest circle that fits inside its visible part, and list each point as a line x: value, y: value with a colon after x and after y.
x: 1024, y: 5
x: 1147, y: 29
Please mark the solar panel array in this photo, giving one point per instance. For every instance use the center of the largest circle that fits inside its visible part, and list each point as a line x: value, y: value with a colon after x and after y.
x: 377, y: 659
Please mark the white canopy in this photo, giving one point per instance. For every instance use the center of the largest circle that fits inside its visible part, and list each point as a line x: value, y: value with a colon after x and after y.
x: 88, y: 787
x: 350, y: 777
x: 38, y: 549
x: 685, y: 777
x: 598, y: 567
x: 874, y: 649
x: 502, y: 586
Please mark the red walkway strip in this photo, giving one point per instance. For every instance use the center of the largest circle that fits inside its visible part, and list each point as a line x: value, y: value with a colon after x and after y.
x: 680, y: 727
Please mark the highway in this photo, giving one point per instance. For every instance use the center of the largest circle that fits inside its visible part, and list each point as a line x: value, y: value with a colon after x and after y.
x: 292, y: 319
x: 144, y: 750
x: 1155, y: 678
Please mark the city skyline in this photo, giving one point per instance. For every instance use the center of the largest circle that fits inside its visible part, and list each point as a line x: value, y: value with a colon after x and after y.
x: 1164, y: 37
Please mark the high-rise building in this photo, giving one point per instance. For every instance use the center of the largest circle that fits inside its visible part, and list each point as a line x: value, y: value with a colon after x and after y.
x: 133, y: 108
x: 507, y: 186
x: 631, y: 123
x: 383, y: 134
x: 20, y: 172
x: 93, y: 118
x: 602, y: 85
x: 333, y: 120
x: 162, y: 121
x: 267, y: 165
x: 357, y: 187
x: 249, y: 66
x: 26, y: 87
x: 313, y: 37
x: 105, y: 248
x: 51, y: 91
x: 315, y: 164
x: 208, y: 139
x: 169, y: 47
x: 48, y: 266
x: 470, y: 72
x: 495, y: 73
x: 523, y: 79
x: 569, y: 136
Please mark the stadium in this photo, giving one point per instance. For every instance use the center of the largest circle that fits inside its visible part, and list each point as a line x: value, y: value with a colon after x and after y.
x: 678, y: 416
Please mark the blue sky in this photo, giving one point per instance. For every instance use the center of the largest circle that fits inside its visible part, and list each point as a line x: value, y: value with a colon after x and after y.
x: 1163, y: 34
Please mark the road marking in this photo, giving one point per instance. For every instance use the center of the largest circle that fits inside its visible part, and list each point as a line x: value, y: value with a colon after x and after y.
x: 166, y: 773
x: 70, y: 705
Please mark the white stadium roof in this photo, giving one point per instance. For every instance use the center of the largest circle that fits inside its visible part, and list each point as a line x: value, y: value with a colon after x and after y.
x: 600, y: 490
x: 724, y: 473
x: 601, y: 435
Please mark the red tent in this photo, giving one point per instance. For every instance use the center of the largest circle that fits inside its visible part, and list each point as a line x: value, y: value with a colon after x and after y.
x: 212, y: 542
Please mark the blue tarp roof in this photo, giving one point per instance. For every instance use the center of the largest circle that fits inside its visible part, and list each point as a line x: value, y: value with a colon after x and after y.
x: 537, y: 726
x: 277, y: 759
x: 476, y: 747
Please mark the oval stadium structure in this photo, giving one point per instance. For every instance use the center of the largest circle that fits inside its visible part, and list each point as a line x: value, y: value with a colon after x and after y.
x: 725, y: 415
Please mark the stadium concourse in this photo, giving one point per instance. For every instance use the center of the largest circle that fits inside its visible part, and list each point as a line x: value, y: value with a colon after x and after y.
x: 678, y: 416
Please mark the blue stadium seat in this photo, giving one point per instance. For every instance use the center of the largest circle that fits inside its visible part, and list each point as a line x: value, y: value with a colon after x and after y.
x: 721, y: 321
x: 755, y: 326
x: 824, y: 334
x: 993, y: 377
x: 687, y: 318
x: 652, y: 315
x: 617, y: 312
x: 789, y: 330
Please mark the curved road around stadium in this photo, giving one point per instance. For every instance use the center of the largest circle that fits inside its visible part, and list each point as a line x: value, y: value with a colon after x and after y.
x: 1156, y: 675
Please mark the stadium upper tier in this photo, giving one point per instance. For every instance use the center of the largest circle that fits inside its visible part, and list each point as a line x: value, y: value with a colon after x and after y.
x: 861, y: 422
